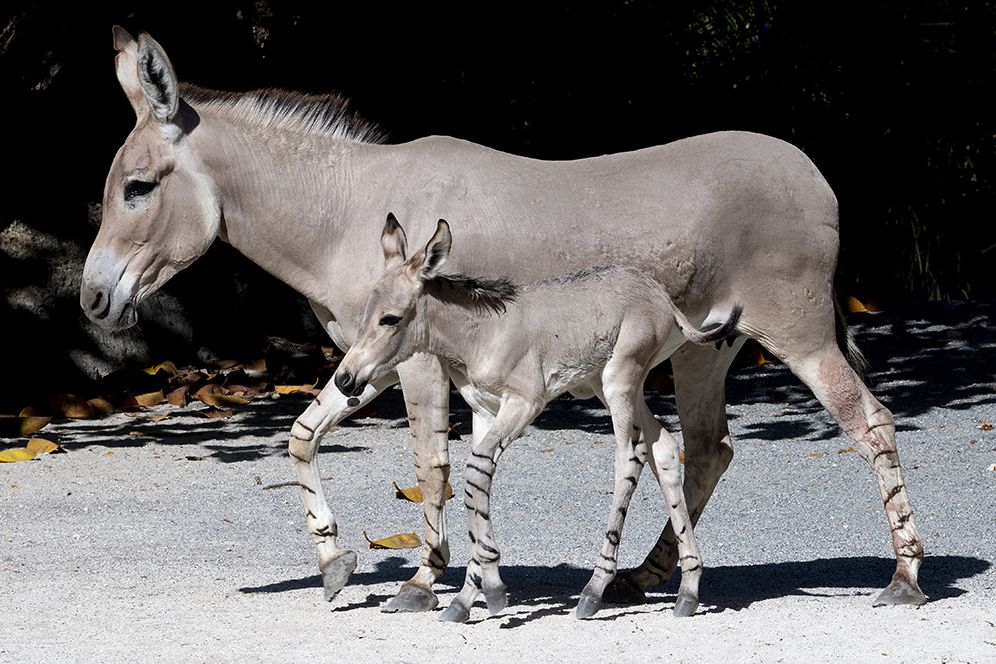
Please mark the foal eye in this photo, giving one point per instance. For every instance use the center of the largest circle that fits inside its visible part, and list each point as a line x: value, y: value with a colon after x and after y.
x: 390, y: 320
x: 138, y: 188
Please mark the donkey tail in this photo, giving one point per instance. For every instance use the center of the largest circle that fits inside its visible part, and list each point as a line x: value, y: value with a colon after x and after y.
x: 712, y: 334
x: 845, y: 340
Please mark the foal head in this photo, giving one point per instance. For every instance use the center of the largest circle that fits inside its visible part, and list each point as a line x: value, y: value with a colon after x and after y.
x: 386, y: 335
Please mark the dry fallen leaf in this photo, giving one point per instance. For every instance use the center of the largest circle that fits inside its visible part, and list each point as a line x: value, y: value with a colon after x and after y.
x: 14, y: 426
x: 100, y: 406
x: 816, y: 455
x: 144, y: 400
x: 985, y: 426
x: 845, y: 450
x: 41, y: 446
x: 16, y: 454
x: 414, y: 494
x: 158, y: 418
x: 217, y: 396
x: 399, y: 541
x: 217, y: 413
x: 72, y: 406
x: 681, y: 457
x: 179, y: 397
x: 166, y: 366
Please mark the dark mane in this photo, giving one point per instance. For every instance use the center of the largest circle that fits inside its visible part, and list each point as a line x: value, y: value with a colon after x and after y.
x: 484, y: 295
x: 323, y: 114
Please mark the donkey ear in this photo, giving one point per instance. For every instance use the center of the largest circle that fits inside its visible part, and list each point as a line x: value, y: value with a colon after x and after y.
x: 436, y: 251
x: 155, y: 73
x: 126, y: 67
x: 393, y: 241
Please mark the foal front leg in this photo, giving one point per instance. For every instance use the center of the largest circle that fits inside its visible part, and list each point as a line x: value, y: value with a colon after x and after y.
x: 426, y: 387
x: 329, y: 407
x: 482, y: 569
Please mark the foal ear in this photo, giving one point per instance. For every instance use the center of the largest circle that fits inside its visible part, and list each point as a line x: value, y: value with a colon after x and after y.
x: 393, y: 241
x: 126, y: 68
x: 436, y: 251
x: 158, y: 80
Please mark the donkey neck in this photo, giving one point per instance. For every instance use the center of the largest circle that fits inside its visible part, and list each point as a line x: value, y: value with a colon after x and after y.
x: 286, y: 199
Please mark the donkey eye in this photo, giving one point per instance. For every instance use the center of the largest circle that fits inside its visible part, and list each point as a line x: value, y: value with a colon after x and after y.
x: 138, y: 188
x: 390, y: 320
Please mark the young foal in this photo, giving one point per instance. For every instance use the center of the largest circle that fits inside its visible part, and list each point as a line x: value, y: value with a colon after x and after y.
x: 596, y: 332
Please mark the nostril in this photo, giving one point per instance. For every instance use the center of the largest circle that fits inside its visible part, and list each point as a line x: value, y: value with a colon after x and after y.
x: 343, y: 380
x: 100, y: 305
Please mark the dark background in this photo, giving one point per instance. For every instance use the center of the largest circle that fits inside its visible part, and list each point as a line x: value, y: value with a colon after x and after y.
x: 889, y: 99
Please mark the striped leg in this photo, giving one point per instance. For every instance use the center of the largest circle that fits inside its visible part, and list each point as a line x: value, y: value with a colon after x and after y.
x: 328, y: 408
x: 699, y: 377
x: 426, y: 389
x: 631, y: 454
x: 870, y: 425
x: 482, y: 569
x: 664, y: 452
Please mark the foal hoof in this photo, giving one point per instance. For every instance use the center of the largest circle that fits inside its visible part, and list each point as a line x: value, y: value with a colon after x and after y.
x: 412, y: 599
x: 685, y: 606
x: 588, y: 605
x: 336, y: 572
x: 900, y: 592
x: 497, y: 600
x: 455, y: 612
x: 624, y: 590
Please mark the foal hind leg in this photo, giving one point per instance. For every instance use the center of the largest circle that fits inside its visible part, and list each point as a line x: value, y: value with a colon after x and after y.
x: 630, y: 456
x: 871, y: 426
x: 700, y: 394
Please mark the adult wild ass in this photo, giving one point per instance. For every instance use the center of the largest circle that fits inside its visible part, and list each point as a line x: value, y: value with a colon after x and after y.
x: 544, y: 343
x: 293, y: 182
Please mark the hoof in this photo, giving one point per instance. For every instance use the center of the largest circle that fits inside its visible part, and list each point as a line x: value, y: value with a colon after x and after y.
x: 685, y: 606
x: 455, y: 612
x: 497, y: 600
x: 412, y: 599
x: 623, y: 590
x: 588, y: 605
x: 336, y: 572
x: 900, y: 592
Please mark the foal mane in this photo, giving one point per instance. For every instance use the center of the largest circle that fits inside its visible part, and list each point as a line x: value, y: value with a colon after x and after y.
x: 483, y: 295
x: 325, y: 115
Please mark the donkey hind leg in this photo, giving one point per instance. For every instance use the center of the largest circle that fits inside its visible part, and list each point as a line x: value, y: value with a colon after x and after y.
x: 328, y: 408
x: 700, y: 379
x: 871, y: 426
x: 482, y: 569
x: 426, y: 389
x: 630, y: 456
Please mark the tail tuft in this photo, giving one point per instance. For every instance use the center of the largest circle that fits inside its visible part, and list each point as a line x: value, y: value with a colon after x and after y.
x: 845, y: 340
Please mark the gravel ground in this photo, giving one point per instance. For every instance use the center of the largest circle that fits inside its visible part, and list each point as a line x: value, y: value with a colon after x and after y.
x: 166, y: 546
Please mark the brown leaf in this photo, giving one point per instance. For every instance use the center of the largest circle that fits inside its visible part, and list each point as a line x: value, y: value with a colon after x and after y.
x: 217, y: 396
x: 158, y: 418
x: 41, y: 446
x: 845, y: 450
x: 414, y: 494
x: 72, y: 406
x: 816, y: 455
x: 14, y: 426
x: 135, y: 434
x: 143, y: 400
x: 985, y: 426
x: 217, y: 413
x: 399, y: 541
x: 100, y: 406
x: 681, y: 457
x: 179, y: 397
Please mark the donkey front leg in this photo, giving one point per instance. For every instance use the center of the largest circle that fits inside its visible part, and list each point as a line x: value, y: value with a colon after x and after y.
x: 329, y: 407
x: 426, y: 387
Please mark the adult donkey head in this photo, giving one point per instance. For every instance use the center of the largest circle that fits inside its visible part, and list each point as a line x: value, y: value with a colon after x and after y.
x: 160, y: 209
